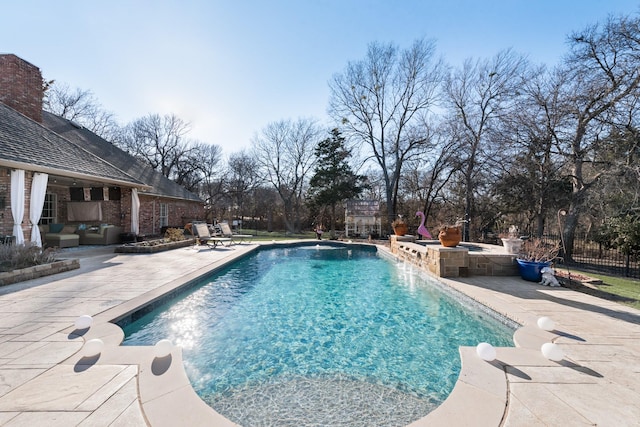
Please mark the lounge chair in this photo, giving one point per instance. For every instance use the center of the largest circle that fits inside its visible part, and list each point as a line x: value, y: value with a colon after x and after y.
x: 202, y: 233
x: 225, y: 231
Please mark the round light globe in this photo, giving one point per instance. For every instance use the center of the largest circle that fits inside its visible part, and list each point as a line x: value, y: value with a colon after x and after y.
x: 552, y: 351
x: 83, y: 322
x: 93, y: 347
x: 162, y: 348
x: 546, y: 324
x: 486, y: 351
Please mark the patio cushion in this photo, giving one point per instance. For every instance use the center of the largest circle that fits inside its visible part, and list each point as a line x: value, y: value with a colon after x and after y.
x: 61, y: 240
x: 55, y: 228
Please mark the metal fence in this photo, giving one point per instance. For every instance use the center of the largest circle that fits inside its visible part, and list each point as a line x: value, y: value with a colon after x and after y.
x: 592, y: 256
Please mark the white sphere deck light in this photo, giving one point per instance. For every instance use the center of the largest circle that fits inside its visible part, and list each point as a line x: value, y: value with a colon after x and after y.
x: 83, y: 322
x: 162, y: 348
x: 552, y: 351
x: 546, y: 324
x: 93, y: 347
x: 486, y: 351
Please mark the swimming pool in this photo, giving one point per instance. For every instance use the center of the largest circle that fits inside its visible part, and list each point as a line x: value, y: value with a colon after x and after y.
x: 319, y: 335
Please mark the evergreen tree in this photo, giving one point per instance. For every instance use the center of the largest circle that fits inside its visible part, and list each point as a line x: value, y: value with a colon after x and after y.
x: 333, y: 181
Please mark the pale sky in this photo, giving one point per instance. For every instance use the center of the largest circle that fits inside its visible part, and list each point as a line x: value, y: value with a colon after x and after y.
x: 231, y: 67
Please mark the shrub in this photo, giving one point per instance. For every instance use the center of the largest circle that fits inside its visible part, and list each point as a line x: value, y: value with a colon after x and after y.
x: 539, y: 251
x: 621, y: 232
x: 174, y: 235
x: 13, y: 257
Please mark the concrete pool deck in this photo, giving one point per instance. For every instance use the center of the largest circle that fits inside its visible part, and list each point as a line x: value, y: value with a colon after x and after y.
x: 46, y: 380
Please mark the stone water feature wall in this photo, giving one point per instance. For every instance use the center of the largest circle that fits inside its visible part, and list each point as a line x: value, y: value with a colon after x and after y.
x: 469, y: 260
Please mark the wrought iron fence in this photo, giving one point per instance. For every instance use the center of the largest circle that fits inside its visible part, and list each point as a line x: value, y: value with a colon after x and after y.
x: 592, y: 256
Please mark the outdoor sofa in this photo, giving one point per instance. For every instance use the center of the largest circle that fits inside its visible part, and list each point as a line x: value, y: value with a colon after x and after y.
x: 105, y: 234
x: 60, y: 235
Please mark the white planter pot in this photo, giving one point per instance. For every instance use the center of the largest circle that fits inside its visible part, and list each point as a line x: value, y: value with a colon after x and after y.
x: 512, y: 245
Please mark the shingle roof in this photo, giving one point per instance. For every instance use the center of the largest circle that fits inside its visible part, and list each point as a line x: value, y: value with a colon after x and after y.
x: 24, y: 141
x: 161, y: 185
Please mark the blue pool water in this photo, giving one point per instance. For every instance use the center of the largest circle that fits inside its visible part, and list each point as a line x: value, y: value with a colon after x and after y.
x: 320, y: 336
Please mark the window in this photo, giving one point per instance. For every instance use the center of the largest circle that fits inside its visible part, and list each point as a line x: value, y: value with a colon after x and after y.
x: 114, y: 193
x: 97, y: 193
x: 77, y: 194
x: 164, y: 215
x: 49, y: 209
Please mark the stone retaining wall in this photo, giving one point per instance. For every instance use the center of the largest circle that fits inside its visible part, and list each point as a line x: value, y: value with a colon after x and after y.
x: 147, y: 248
x: 36, y: 271
x: 487, y: 260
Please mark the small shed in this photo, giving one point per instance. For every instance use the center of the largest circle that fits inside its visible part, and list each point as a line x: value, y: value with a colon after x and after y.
x: 362, y: 218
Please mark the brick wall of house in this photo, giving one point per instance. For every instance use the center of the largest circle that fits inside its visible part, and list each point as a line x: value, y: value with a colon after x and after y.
x: 21, y: 86
x: 125, y: 209
x: 180, y: 212
x: 6, y: 225
x: 111, y: 212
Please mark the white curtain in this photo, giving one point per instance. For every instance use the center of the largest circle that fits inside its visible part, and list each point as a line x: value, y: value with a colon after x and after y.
x: 17, y: 204
x: 38, y: 191
x: 135, y: 212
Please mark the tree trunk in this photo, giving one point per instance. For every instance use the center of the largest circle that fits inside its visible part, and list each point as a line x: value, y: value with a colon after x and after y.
x: 576, y: 205
x: 569, y: 233
x: 539, y: 224
x: 333, y: 221
x: 391, y: 209
x: 469, y: 208
x: 289, y: 216
x: 466, y: 235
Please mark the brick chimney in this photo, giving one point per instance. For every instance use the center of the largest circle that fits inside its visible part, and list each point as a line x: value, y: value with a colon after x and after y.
x: 21, y: 86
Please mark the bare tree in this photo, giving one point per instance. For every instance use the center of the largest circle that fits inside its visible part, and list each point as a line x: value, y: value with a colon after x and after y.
x: 160, y: 141
x: 242, y: 179
x: 265, y: 206
x: 380, y: 103
x: 531, y: 173
x: 201, y: 163
x: 284, y: 151
x: 80, y: 106
x: 427, y: 177
x: 211, y: 177
x: 375, y: 189
x: 478, y: 94
x: 602, y: 76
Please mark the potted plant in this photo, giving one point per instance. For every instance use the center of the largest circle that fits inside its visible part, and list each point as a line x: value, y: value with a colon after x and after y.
x: 399, y: 226
x: 511, y: 241
x: 534, y: 256
x: 450, y: 235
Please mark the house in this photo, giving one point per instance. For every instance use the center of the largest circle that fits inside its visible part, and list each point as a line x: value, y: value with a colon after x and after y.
x: 362, y: 218
x: 55, y: 171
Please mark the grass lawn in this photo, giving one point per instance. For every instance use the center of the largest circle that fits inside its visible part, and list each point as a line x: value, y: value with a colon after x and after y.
x: 620, y: 286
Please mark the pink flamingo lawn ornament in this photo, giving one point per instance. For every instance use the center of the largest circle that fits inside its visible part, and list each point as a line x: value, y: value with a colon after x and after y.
x: 422, y: 230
